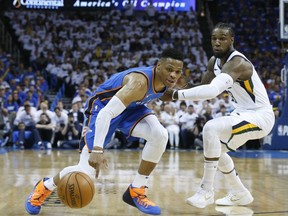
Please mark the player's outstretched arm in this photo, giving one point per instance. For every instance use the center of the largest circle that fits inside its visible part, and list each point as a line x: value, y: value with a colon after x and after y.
x: 237, y: 68
x: 204, y: 92
x: 185, y: 83
x: 182, y: 83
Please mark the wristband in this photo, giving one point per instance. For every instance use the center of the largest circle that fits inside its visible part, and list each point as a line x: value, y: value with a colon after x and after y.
x: 97, y: 151
x: 173, y: 94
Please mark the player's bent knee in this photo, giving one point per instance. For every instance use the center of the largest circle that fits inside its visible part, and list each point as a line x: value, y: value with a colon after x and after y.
x: 159, y: 136
x: 225, y: 168
x: 212, y: 145
x: 162, y: 138
x: 209, y: 129
x: 155, y: 146
x: 226, y: 163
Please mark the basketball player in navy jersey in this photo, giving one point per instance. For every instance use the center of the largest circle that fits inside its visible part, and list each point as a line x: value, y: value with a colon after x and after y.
x: 119, y: 103
x: 253, y: 118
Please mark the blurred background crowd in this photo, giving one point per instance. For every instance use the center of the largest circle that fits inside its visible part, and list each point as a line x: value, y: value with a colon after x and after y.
x: 66, y: 55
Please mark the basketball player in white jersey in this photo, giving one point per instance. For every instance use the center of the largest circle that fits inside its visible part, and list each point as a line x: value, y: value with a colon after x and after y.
x: 253, y: 118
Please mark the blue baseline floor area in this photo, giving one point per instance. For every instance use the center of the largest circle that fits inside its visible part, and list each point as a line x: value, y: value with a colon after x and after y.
x: 259, y: 154
x: 238, y: 154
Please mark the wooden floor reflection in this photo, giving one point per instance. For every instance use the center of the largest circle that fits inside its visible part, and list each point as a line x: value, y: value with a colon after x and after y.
x: 175, y: 179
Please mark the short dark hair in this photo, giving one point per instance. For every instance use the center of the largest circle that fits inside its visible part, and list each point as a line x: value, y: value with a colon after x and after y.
x: 172, y: 53
x: 56, y: 108
x: 227, y: 26
x: 183, y: 103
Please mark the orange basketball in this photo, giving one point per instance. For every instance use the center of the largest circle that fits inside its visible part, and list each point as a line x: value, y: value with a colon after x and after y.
x: 76, y: 189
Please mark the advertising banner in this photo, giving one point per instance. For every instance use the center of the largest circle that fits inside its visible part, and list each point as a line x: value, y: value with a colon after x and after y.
x: 166, y: 5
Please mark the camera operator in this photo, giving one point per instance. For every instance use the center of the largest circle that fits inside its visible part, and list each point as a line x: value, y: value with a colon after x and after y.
x: 71, y: 132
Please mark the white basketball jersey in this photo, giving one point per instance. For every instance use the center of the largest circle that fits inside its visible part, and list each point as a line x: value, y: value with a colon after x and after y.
x: 246, y: 94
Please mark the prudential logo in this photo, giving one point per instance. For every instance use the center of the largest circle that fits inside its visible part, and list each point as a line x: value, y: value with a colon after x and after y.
x: 39, y: 4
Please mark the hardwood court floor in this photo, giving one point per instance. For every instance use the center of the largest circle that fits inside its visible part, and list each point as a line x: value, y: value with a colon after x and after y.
x: 175, y: 179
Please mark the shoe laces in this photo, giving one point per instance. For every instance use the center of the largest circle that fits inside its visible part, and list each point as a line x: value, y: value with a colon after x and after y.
x: 229, y: 196
x: 202, y: 191
x: 142, y: 199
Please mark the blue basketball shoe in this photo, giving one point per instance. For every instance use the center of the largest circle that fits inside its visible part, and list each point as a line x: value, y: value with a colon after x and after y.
x: 36, y: 197
x: 136, y: 197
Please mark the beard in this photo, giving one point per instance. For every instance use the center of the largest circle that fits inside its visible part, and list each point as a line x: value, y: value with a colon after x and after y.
x: 220, y: 54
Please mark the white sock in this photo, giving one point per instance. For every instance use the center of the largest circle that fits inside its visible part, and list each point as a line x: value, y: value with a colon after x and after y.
x: 210, y: 168
x: 49, y: 184
x: 234, y: 181
x: 140, y: 180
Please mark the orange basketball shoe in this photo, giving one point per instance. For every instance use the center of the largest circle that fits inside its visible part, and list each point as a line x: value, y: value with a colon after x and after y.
x: 137, y: 198
x: 36, y: 198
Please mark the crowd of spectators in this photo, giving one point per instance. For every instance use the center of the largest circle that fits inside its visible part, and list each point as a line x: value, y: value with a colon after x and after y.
x: 92, y: 46
x: 84, y: 49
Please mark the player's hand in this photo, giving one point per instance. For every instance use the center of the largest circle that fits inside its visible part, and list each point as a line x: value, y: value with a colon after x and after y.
x: 97, y: 161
